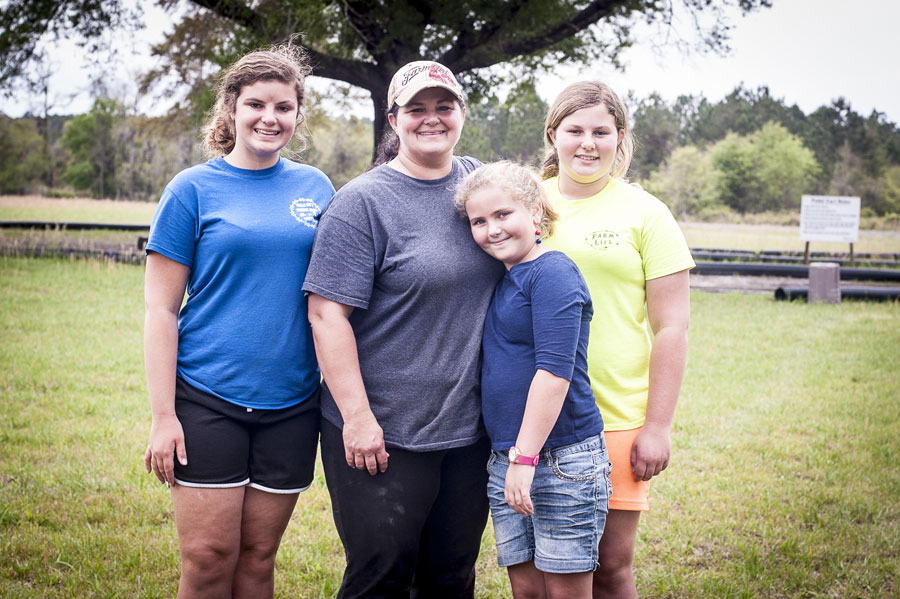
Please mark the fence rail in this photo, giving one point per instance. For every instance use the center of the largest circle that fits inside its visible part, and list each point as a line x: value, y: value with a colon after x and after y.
x: 710, y: 261
x: 62, y: 226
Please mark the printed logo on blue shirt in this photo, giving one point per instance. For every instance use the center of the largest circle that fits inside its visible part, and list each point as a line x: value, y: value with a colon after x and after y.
x: 602, y: 240
x: 306, y: 212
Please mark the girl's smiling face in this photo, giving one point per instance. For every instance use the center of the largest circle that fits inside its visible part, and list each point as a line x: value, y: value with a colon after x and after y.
x: 586, y: 143
x: 502, y: 226
x: 264, y: 119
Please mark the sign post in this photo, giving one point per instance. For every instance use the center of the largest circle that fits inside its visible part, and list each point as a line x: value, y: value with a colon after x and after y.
x: 829, y: 218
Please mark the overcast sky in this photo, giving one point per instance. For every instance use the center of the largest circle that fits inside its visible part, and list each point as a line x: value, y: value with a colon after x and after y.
x: 808, y: 52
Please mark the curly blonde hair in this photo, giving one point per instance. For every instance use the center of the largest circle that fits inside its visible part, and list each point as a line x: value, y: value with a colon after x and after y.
x: 286, y: 62
x: 521, y: 182
x: 586, y: 94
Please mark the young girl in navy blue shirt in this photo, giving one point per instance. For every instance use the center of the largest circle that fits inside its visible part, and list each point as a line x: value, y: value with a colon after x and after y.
x: 549, y: 470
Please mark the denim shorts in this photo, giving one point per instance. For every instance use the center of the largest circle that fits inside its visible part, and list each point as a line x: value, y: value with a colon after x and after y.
x: 570, y: 494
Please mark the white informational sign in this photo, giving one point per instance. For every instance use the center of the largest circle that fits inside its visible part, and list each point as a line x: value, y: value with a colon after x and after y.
x: 829, y: 218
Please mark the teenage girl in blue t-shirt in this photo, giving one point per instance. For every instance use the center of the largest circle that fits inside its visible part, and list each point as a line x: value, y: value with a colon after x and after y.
x: 549, y: 470
x: 232, y: 374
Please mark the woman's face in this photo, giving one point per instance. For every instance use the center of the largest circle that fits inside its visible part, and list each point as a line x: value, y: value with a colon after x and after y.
x: 586, y: 143
x: 429, y: 125
x: 265, y: 115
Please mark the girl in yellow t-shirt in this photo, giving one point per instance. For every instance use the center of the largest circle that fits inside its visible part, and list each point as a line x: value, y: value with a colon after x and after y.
x: 632, y: 254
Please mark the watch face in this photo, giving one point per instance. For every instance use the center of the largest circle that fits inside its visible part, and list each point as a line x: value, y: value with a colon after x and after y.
x: 516, y: 457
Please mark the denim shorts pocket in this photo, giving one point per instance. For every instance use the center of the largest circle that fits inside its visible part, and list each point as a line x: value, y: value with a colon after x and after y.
x: 609, y: 487
x: 577, y: 466
x: 490, y: 461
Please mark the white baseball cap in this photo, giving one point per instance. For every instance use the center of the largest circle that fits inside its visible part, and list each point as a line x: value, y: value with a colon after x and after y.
x: 416, y: 76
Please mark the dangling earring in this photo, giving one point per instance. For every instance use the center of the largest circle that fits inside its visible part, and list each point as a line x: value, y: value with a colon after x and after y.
x: 537, y: 234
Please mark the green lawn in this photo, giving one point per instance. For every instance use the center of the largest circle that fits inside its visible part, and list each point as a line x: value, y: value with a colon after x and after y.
x: 75, y: 210
x: 784, y: 478
x: 770, y: 237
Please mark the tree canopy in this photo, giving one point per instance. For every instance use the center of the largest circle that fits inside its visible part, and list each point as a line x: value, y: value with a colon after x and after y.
x: 363, y: 42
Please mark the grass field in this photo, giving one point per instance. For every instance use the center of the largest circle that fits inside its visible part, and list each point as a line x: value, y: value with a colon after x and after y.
x: 75, y: 210
x: 784, y: 480
x: 770, y: 237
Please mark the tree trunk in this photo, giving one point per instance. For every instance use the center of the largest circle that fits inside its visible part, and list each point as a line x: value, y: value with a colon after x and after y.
x: 380, y: 125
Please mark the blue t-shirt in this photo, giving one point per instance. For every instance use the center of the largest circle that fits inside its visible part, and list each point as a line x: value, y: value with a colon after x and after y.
x: 539, y: 318
x: 246, y: 235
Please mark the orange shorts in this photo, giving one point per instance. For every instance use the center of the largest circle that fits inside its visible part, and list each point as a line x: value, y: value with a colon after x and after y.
x: 627, y: 493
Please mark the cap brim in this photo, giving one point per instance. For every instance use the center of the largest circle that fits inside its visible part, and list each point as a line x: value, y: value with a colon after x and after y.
x: 411, y: 90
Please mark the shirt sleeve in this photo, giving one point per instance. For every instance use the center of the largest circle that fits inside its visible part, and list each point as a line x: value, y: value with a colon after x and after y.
x: 342, y: 266
x: 663, y: 248
x: 173, y: 231
x: 558, y: 301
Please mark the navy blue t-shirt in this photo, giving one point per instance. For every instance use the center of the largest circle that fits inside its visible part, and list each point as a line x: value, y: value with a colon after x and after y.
x: 539, y: 318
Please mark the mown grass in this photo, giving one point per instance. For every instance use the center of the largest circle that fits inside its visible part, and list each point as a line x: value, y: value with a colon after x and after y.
x: 75, y: 210
x: 770, y: 237
x: 784, y: 478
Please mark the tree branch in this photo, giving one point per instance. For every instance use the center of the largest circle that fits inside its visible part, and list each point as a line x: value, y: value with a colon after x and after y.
x: 235, y: 11
x: 470, y: 38
x: 358, y: 13
x: 499, y: 47
x: 356, y: 72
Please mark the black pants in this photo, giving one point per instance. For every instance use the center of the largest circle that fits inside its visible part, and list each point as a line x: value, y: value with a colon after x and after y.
x: 413, y: 531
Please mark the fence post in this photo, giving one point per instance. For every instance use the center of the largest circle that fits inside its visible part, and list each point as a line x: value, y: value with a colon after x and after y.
x: 824, y: 283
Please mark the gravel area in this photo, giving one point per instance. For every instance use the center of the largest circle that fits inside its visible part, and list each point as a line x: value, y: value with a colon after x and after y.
x: 734, y: 283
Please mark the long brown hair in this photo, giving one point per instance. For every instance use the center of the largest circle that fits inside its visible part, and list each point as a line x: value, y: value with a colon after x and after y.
x: 586, y: 94
x: 284, y: 62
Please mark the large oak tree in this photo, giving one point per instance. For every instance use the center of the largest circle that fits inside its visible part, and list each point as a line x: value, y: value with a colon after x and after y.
x: 362, y: 42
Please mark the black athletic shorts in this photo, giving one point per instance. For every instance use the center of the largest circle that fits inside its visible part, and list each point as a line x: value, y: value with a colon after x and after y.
x: 231, y: 446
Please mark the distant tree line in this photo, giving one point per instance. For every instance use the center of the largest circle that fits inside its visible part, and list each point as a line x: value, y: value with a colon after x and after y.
x: 104, y: 153
x: 752, y: 153
x: 110, y: 152
x: 747, y: 153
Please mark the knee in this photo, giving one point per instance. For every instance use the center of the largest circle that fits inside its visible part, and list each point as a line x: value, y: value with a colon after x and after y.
x: 530, y: 592
x: 615, y: 559
x: 614, y: 567
x: 259, y: 553
x: 207, y: 558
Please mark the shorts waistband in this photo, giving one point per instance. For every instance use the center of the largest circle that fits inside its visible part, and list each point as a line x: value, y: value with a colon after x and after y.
x: 593, y: 442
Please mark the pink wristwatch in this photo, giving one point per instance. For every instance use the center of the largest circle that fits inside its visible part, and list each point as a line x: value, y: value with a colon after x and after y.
x: 516, y: 457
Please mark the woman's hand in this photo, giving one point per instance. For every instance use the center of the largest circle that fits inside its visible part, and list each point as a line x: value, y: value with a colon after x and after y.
x: 339, y: 362
x: 166, y: 442
x: 164, y: 285
x: 364, y: 444
x: 669, y: 313
x: 650, y: 451
x: 518, y: 488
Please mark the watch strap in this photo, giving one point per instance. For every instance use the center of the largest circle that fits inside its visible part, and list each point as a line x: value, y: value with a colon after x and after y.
x: 516, y: 455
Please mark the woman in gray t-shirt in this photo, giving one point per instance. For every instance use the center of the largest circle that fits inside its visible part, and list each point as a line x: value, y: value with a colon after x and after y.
x: 398, y: 294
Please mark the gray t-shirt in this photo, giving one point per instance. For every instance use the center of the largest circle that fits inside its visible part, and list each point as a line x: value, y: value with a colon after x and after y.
x: 394, y: 248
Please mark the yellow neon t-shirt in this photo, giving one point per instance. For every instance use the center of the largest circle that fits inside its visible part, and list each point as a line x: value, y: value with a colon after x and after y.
x: 619, y: 238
